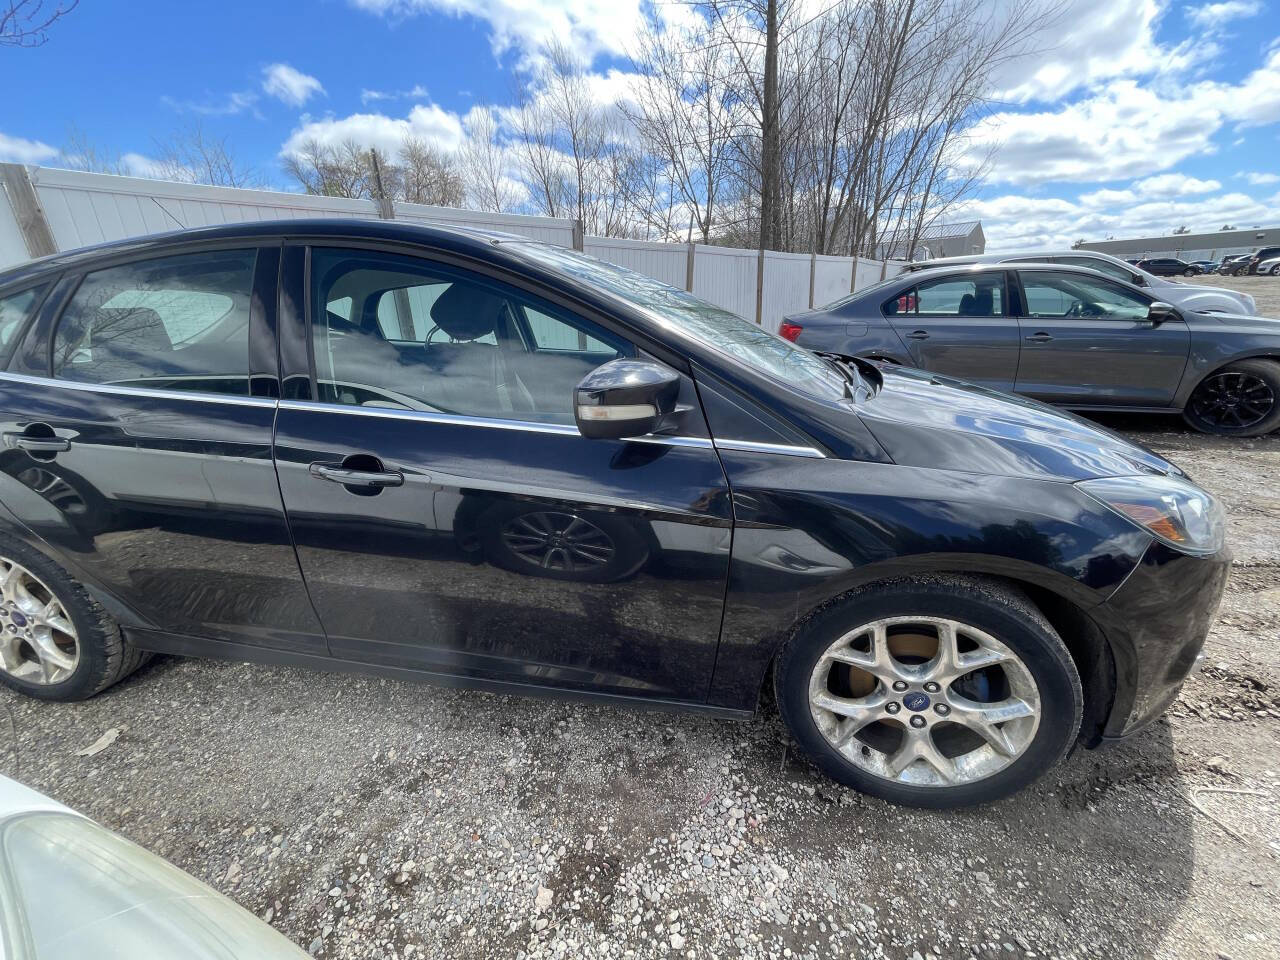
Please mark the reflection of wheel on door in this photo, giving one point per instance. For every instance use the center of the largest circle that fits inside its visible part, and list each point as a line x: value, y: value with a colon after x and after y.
x: 562, y: 544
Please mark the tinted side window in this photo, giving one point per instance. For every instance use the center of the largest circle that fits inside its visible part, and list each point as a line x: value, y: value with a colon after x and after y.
x: 14, y: 311
x: 1080, y: 295
x: 972, y: 296
x: 178, y: 323
x: 404, y: 333
x: 1102, y: 266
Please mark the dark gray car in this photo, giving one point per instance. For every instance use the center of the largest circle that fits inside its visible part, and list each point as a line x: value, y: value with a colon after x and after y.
x: 1066, y: 335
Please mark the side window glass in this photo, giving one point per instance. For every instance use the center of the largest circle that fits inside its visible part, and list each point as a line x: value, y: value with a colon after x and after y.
x: 1080, y: 295
x: 178, y: 323
x: 432, y: 337
x: 976, y: 296
x: 1102, y: 266
x: 14, y: 311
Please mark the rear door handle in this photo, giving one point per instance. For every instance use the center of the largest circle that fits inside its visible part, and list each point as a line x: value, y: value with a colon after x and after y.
x: 37, y: 444
x: 337, y: 473
x: 1040, y: 337
x: 918, y: 335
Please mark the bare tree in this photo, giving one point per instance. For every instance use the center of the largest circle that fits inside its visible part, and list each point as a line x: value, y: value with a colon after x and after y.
x: 331, y: 171
x: 26, y: 23
x: 195, y: 156
x: 81, y: 153
x: 486, y: 164
x: 686, y: 114
x: 428, y: 174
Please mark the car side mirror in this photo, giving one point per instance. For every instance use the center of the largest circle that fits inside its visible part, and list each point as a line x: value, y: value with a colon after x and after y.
x: 1139, y: 280
x: 1159, y: 312
x: 625, y: 398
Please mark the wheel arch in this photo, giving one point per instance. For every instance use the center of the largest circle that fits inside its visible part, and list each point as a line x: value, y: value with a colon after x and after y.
x: 1199, y: 376
x: 1090, y: 650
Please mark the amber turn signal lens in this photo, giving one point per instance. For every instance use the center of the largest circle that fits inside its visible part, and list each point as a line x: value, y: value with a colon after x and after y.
x: 1154, y: 520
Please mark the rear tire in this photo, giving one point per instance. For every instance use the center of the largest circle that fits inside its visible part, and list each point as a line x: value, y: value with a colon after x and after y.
x: 919, y: 728
x: 56, y: 641
x: 1240, y: 400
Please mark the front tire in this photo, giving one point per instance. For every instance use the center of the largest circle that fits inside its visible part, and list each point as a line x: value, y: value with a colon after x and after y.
x: 1189, y: 272
x: 56, y: 641
x: 931, y: 691
x: 1240, y: 400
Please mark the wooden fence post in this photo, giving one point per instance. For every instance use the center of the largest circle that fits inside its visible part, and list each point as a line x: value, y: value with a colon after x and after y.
x: 688, y: 266
x: 577, y: 235
x: 27, y: 211
x: 760, y: 287
x: 813, y: 269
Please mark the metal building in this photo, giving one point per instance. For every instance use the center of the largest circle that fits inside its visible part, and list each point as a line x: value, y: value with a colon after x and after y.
x: 959, y: 239
x: 1191, y: 246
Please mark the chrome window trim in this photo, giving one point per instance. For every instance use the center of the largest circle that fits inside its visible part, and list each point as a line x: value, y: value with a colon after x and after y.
x: 126, y: 391
x: 493, y: 423
x: 783, y: 449
x: 526, y: 426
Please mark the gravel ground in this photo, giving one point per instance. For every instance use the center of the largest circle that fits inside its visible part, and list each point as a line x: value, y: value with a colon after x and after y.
x: 1266, y: 290
x: 370, y: 818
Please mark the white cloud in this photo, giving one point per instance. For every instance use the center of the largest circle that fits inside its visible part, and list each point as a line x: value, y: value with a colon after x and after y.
x: 1175, y: 185
x: 1123, y: 129
x: 288, y: 85
x: 1013, y: 222
x: 21, y: 150
x: 427, y: 121
x: 587, y: 27
x: 1087, y: 42
x: 416, y: 92
x: 1211, y: 16
x: 236, y: 102
x: 1259, y: 179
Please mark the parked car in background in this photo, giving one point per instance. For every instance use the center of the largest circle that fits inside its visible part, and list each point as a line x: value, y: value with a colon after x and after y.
x: 70, y: 889
x: 1260, y: 256
x: 1168, y: 267
x: 1235, y: 265
x: 1270, y: 267
x: 439, y: 454
x: 1065, y: 335
x: 1205, y: 266
x: 1191, y: 296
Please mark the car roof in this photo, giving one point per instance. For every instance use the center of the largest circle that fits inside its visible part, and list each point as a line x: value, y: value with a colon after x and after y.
x: 958, y: 263
x: 346, y: 228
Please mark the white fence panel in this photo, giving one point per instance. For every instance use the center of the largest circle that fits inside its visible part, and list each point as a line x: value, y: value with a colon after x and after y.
x: 786, y: 287
x: 85, y: 208
x: 869, y: 271
x: 667, y: 262
x: 13, y: 249
x: 547, y: 229
x: 831, y: 276
x: 726, y: 277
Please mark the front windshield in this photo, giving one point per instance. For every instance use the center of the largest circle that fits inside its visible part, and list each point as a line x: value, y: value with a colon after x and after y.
x: 686, y: 314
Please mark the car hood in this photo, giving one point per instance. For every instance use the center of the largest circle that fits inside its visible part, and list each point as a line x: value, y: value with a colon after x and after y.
x: 926, y: 420
x: 1193, y: 296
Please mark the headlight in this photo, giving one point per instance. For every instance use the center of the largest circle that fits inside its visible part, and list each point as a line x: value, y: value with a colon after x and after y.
x: 1170, y: 509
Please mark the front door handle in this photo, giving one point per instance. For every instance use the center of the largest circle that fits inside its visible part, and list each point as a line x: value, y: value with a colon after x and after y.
x: 37, y: 444
x: 337, y: 473
x: 1040, y: 337
x: 918, y: 335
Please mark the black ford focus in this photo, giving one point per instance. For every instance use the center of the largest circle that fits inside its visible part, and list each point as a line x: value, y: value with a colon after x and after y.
x: 484, y: 461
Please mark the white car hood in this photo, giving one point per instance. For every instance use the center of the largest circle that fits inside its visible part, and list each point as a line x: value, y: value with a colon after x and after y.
x: 1201, y: 299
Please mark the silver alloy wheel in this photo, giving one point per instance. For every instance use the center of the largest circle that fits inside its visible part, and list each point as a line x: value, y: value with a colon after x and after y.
x: 924, y: 701
x: 38, y: 641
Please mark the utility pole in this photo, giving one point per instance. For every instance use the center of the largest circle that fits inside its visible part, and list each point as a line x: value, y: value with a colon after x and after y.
x: 770, y: 146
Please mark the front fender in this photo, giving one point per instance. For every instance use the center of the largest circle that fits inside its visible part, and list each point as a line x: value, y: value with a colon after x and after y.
x: 807, y: 532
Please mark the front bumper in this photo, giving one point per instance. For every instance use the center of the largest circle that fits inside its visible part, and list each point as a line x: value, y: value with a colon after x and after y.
x: 1156, y: 624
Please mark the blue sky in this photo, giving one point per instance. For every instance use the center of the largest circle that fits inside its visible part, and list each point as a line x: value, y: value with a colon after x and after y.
x: 1137, y: 116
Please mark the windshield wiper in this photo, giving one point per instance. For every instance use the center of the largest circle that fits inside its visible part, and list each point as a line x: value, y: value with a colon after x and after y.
x: 848, y: 371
